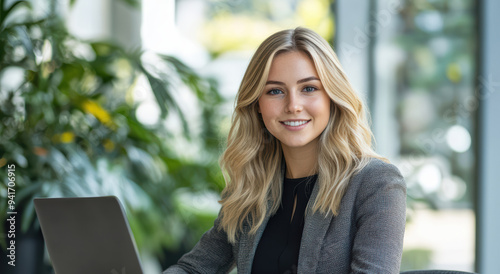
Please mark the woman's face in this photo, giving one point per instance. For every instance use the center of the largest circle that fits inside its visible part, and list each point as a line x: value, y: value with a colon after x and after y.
x: 294, y: 106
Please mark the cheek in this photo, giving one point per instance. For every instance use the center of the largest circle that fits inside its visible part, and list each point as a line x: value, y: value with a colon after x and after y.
x: 268, y: 109
x: 269, y: 112
x: 321, y: 108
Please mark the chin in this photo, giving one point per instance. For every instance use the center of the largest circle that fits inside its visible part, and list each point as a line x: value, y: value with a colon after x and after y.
x: 295, y: 144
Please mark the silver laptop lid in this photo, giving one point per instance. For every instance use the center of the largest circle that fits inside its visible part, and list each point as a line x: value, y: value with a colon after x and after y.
x: 87, y: 235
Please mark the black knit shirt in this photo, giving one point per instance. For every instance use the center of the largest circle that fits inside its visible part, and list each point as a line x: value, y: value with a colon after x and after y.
x: 278, y: 249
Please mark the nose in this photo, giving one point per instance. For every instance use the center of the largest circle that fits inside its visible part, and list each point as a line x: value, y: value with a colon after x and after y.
x: 294, y: 103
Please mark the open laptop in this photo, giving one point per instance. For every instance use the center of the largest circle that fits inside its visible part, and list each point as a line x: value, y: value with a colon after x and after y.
x: 88, y: 235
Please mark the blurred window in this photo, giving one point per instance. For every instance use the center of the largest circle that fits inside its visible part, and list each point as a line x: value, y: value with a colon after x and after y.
x: 424, y: 113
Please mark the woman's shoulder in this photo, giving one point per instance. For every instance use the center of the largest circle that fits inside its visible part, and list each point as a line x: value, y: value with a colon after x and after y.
x: 378, y: 167
x: 377, y: 174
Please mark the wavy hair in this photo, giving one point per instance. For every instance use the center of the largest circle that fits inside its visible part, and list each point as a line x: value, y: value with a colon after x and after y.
x: 253, y: 162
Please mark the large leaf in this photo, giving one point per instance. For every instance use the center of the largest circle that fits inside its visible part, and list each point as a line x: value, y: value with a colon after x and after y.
x: 161, y: 90
x: 4, y: 14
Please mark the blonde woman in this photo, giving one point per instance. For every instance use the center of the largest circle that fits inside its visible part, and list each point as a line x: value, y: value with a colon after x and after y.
x: 305, y: 192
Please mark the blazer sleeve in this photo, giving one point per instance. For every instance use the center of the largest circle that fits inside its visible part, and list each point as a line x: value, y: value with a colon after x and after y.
x: 380, y: 220
x: 212, y: 254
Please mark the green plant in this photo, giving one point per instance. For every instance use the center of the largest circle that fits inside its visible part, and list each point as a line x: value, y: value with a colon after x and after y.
x: 70, y: 127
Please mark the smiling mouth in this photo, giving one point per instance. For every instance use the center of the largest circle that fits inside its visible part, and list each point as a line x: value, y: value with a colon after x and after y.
x: 295, y: 123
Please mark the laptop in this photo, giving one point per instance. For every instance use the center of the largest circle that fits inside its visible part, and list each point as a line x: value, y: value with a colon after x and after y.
x: 88, y: 235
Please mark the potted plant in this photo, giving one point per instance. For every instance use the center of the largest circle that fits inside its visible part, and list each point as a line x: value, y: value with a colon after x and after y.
x: 70, y: 128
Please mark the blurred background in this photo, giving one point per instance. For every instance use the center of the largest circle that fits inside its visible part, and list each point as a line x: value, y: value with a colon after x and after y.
x: 133, y: 98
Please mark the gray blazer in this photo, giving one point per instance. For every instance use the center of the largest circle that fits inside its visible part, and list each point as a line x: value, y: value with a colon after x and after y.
x: 365, y: 237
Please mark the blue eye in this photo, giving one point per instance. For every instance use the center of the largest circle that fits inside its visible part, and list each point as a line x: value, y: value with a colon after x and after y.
x: 274, y: 91
x: 309, y: 89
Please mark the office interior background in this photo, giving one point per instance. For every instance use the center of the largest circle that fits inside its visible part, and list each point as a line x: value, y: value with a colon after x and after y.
x: 134, y: 99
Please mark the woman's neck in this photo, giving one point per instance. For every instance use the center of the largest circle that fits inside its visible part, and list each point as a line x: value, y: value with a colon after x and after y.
x: 301, y: 162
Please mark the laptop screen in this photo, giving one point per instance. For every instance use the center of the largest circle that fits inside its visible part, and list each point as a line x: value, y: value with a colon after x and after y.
x: 87, y: 235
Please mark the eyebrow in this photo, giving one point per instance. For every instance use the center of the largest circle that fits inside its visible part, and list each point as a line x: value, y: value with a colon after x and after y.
x: 312, y: 78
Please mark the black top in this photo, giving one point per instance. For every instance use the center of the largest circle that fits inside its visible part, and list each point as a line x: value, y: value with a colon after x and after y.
x: 278, y: 249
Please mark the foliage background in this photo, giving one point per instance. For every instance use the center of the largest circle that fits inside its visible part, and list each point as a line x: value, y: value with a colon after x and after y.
x: 70, y: 126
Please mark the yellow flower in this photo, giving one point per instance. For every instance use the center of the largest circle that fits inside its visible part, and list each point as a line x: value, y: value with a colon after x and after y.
x: 453, y: 72
x: 98, y: 112
x: 67, y: 137
x: 3, y: 161
x: 108, y: 145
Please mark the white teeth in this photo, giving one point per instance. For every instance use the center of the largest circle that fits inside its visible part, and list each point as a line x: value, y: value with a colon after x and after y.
x: 295, y: 124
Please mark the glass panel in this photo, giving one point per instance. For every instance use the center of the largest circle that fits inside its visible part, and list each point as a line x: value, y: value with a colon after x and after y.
x: 425, y: 112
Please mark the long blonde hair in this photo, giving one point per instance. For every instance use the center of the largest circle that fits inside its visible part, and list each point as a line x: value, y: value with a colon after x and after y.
x: 253, y: 161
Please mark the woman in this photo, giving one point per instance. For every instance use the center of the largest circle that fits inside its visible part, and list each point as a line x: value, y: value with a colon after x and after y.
x: 305, y: 191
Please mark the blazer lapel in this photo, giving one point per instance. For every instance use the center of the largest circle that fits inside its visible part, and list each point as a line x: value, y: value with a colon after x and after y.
x: 248, y: 245
x: 315, y: 228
